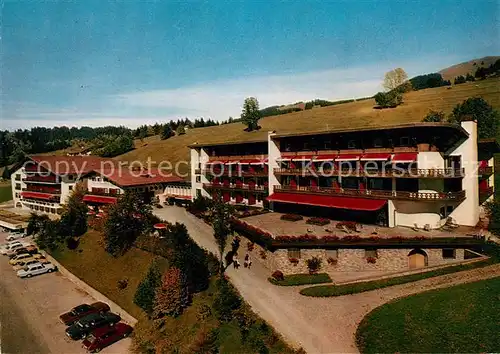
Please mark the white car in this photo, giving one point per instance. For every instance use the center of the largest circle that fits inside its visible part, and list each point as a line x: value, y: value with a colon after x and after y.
x: 36, y: 269
x: 14, y: 236
x: 10, y: 247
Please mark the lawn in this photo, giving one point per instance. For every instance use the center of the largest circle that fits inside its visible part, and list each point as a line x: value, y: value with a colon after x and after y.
x: 339, y: 290
x: 5, y: 192
x: 102, y: 271
x: 302, y: 279
x: 460, y: 319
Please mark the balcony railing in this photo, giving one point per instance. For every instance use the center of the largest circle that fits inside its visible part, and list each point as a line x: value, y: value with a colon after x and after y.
x: 375, y: 194
x: 236, y: 187
x: 350, y: 151
x: 238, y: 157
x: 41, y: 179
x: 227, y: 172
x: 485, y: 171
x: 53, y: 191
x: 389, y: 173
x: 103, y: 193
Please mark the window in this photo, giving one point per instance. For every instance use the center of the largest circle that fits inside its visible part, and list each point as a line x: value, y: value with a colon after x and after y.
x: 18, y: 186
x: 198, y: 179
x: 18, y: 177
x: 377, y: 143
x: 328, y: 144
x: 198, y: 193
x: 371, y: 253
x: 351, y: 144
x: 199, y: 165
x: 334, y: 254
x: 70, y: 177
x: 17, y: 195
x: 306, y: 146
x: 448, y: 253
x: 70, y: 188
x: 294, y: 253
x: 404, y: 141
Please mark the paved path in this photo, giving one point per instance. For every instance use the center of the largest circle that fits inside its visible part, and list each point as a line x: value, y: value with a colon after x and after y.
x: 319, y: 325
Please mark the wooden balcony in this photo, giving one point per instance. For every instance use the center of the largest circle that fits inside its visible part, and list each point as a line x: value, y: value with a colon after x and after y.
x: 41, y: 179
x: 237, y: 157
x: 387, y: 173
x: 485, y: 171
x: 485, y: 193
x: 375, y: 194
x: 236, y: 187
x: 228, y: 172
x: 115, y: 193
x: 53, y: 191
x: 351, y: 151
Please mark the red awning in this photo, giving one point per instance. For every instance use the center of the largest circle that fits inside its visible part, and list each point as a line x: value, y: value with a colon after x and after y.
x: 250, y: 162
x: 405, y: 157
x: 99, y: 199
x: 216, y: 162
x: 376, y: 157
x: 326, y: 157
x: 37, y: 195
x: 347, y: 157
x: 284, y: 158
x: 160, y: 226
x: 307, y: 157
x: 328, y: 201
x: 232, y: 162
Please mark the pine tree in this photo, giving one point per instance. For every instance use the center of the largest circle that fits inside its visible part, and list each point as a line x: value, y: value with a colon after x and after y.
x: 74, y: 217
x: 145, y: 293
x: 250, y: 114
x: 172, y: 297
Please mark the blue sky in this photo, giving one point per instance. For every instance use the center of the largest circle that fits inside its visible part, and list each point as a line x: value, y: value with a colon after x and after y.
x: 135, y: 62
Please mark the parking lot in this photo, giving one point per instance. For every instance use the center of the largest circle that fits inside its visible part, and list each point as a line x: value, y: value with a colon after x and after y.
x: 30, y: 309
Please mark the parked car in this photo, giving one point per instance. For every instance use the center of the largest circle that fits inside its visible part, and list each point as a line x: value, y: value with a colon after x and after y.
x: 11, y: 248
x: 28, y: 249
x: 20, y: 257
x: 36, y: 269
x: 14, y: 236
x: 85, y: 325
x: 27, y: 262
x: 81, y: 311
x: 102, y: 337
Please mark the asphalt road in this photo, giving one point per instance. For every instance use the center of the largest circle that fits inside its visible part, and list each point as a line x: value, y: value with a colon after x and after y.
x: 30, y: 309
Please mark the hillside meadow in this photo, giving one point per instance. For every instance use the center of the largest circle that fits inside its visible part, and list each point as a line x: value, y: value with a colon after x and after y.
x: 353, y: 115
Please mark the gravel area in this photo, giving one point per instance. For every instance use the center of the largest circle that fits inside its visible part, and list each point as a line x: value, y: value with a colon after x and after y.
x: 318, y: 325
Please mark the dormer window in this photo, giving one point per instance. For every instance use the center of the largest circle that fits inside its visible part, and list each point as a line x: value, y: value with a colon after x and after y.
x: 351, y: 144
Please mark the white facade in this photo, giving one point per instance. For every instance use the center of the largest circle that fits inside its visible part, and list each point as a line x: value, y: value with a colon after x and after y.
x: 411, y: 213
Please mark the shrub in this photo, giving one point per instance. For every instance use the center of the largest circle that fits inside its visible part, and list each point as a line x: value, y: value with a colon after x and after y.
x: 226, y: 301
x: 204, y: 311
x: 122, y: 284
x: 390, y: 99
x: 172, y: 297
x: 371, y: 260
x: 145, y: 293
x: 72, y: 243
x: 278, y: 275
x: 332, y: 261
x: 350, y: 225
x: 250, y: 246
x: 318, y: 221
x: 313, y: 264
x: 291, y: 217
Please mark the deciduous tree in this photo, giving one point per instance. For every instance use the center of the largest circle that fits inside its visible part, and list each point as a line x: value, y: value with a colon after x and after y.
x: 434, y: 116
x: 73, y: 220
x: 145, y: 294
x: 394, y: 78
x: 250, y: 114
x: 172, y: 297
x: 488, y: 119
x: 221, y: 223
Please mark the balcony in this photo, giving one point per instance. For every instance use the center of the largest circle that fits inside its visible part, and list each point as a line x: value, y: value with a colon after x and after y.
x: 111, y: 192
x: 236, y: 187
x: 237, y: 157
x: 46, y: 190
x: 228, y: 172
x: 375, y: 194
x: 387, y: 173
x: 485, y: 193
x: 41, y: 179
x: 485, y: 171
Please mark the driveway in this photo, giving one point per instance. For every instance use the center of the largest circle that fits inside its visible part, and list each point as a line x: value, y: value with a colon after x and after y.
x: 318, y: 325
x: 30, y: 309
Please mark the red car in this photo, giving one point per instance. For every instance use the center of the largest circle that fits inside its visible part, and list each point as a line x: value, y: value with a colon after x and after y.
x: 81, y: 311
x: 101, y: 337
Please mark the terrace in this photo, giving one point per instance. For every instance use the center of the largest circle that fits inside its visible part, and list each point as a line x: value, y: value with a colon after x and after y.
x: 381, y: 173
x: 236, y: 187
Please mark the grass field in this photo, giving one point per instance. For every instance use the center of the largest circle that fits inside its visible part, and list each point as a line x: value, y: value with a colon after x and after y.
x: 5, y: 192
x: 461, y: 319
x: 302, y: 279
x: 355, y: 288
x: 360, y: 114
x: 185, y: 333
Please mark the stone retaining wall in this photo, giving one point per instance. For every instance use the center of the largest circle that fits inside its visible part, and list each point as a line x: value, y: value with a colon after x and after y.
x: 126, y: 317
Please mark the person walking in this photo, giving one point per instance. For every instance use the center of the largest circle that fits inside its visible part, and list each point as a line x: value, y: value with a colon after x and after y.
x: 249, y: 262
x: 236, y: 264
x: 245, y: 264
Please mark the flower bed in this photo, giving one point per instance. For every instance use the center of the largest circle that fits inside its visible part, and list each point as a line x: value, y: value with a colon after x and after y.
x: 318, y: 221
x: 291, y: 217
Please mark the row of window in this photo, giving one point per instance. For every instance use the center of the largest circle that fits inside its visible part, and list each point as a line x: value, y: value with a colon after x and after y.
x: 446, y: 253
